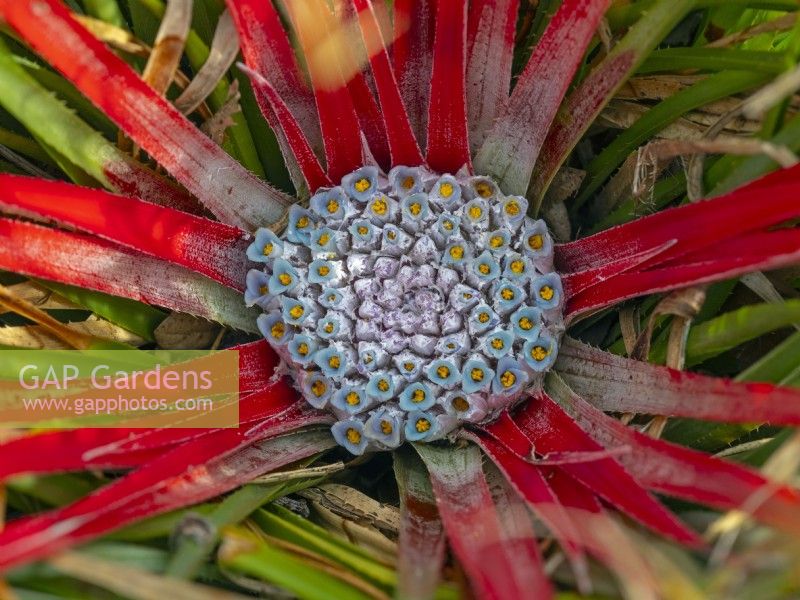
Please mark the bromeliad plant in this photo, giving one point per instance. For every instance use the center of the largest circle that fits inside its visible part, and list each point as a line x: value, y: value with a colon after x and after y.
x: 412, y: 300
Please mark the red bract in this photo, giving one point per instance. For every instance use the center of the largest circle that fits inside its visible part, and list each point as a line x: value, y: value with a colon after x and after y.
x: 556, y: 455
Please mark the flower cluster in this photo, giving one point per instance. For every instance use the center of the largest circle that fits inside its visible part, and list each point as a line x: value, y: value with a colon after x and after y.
x: 409, y: 304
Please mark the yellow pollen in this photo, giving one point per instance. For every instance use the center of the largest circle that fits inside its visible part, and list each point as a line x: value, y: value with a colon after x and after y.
x: 332, y: 298
x: 415, y: 208
x: 448, y: 225
x: 296, y: 311
x: 352, y: 398
x: 323, y: 271
x: 379, y: 207
x: 484, y: 189
x: 302, y: 222
x: 496, y: 241
x: 446, y: 190
x: 268, y: 249
x: 525, y: 323
x: 386, y: 427
x: 460, y: 404
x: 333, y: 206
x: 507, y: 294
x: 362, y: 185
x: 443, y: 372
x: 484, y: 317
x: 278, y: 330
x: 408, y: 183
x: 508, y: 379
x: 517, y: 266
x: 318, y: 388
x: 418, y: 396
x: 423, y: 425
x: 451, y: 346
x: 457, y: 252
x: 484, y: 269
x: 328, y: 327
x: 324, y: 239
x: 498, y: 344
x: 538, y: 353
x: 408, y: 366
x: 535, y: 242
x: 353, y: 436
x: 285, y: 278
x: 367, y: 359
x: 475, y: 212
x: 476, y: 374
x: 512, y: 208
x: 302, y: 349
x: 391, y: 235
x: 546, y: 293
x: 264, y: 290
x: 334, y: 362
x: 362, y: 230
x: 383, y: 385
x: 467, y: 296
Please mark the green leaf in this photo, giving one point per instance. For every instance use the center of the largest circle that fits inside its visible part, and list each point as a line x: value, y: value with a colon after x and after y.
x: 105, y: 10
x: 713, y: 59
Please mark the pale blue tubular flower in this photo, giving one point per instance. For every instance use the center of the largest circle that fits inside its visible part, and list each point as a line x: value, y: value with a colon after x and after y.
x: 331, y: 298
x: 409, y: 365
x: 421, y: 426
x: 332, y: 362
x: 257, y: 289
x: 536, y: 241
x: 284, y: 277
x: 317, y: 389
x: 350, y: 434
x: 301, y: 224
x: 547, y: 291
x: 361, y: 184
x: 476, y: 213
x: 443, y: 372
x: 485, y: 267
x: 322, y: 271
x: 302, y: 349
x: 466, y: 407
x: 509, y: 377
x: 363, y: 233
x: 381, y: 386
x: 405, y: 181
x: 517, y: 267
x: 294, y: 311
x: 512, y: 210
x: 446, y: 192
x: 458, y: 253
x: 265, y: 246
x: 323, y: 243
x: 381, y: 209
x: 331, y: 205
x: 482, y: 318
x: 274, y: 329
x: 417, y: 396
x: 351, y: 400
x: 540, y: 354
x: 482, y: 187
x: 526, y: 322
x: 415, y: 209
x: 329, y: 326
x: 498, y: 343
x: 447, y: 225
x: 385, y: 427
x: 506, y: 296
x: 498, y: 241
x: 476, y: 375
x: 455, y: 344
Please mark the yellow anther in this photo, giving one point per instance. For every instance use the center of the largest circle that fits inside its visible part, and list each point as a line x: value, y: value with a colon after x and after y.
x: 497, y: 343
x: 484, y: 269
x: 525, y: 323
x: 352, y: 399
x: 362, y: 230
x: 423, y: 425
x: 484, y: 189
x: 318, y: 388
x: 380, y: 206
x: 263, y: 290
x: 334, y: 362
x: 302, y: 349
x: 496, y: 241
x: 467, y: 296
x: 297, y: 311
x: 538, y: 353
x: 353, y: 436
x: 332, y: 298
x: 391, y: 235
x: 268, y: 248
x: 446, y: 190
x: 367, y: 359
x: 508, y: 379
x: 278, y: 330
x: 386, y: 427
x: 512, y: 208
x: 323, y: 270
x: 517, y: 266
x: 448, y: 225
x: 451, y: 346
x: 332, y: 206
x: 546, y: 293
x: 443, y: 372
x: 476, y: 374
x: 456, y: 252
x: 408, y: 366
x: 415, y: 208
x: 285, y: 278
x: 535, y: 241
x: 460, y: 404
x: 418, y: 395
x: 408, y: 183
x: 324, y: 239
x: 475, y: 212
x: 302, y: 222
x: 484, y: 317
x: 383, y: 385
x: 362, y: 185
x: 329, y: 327
x: 507, y: 294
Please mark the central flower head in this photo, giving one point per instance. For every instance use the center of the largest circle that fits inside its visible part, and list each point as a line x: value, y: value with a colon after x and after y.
x: 411, y: 304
